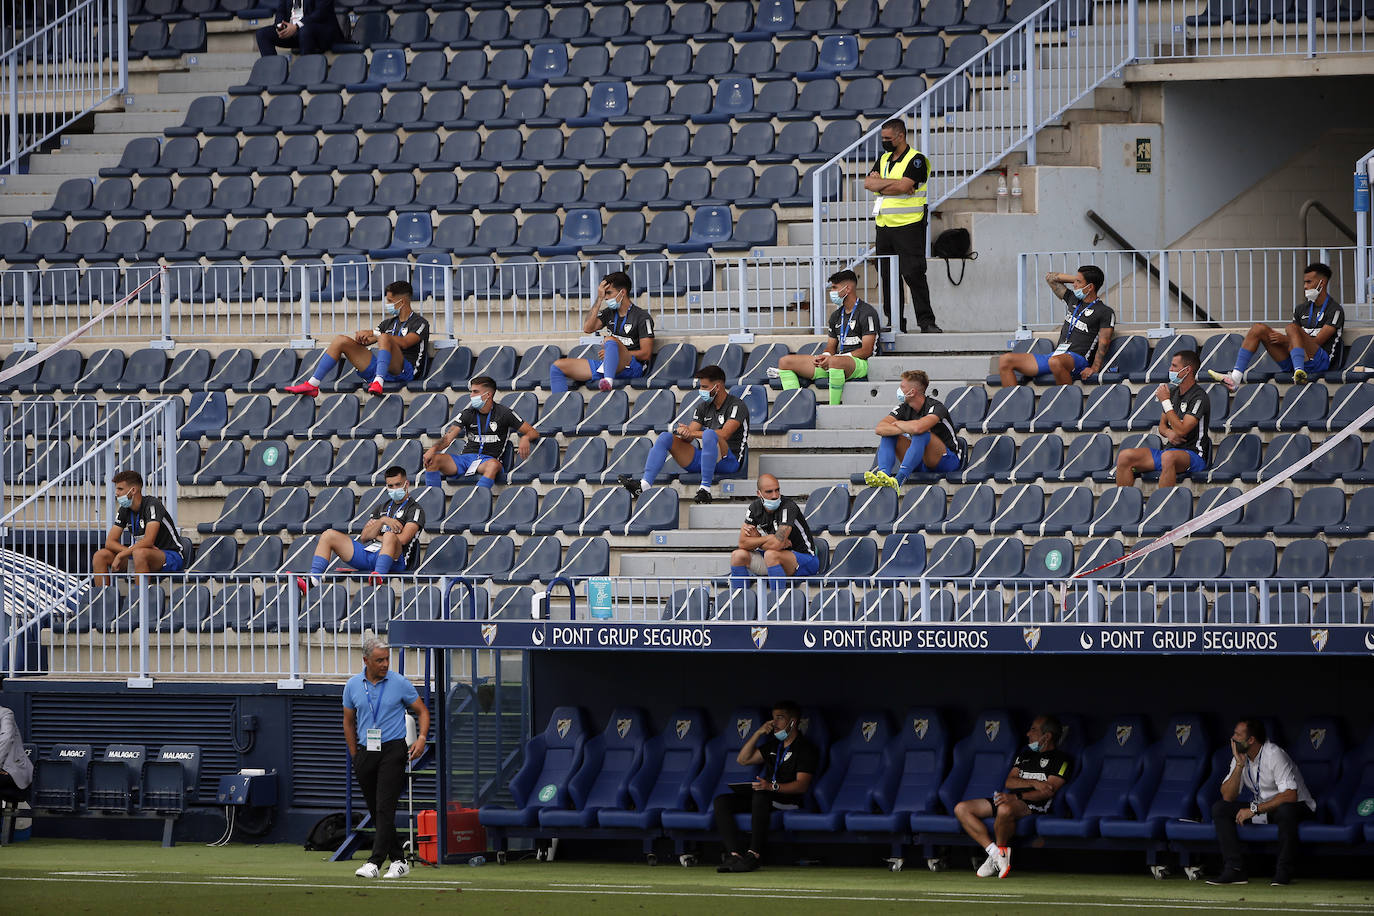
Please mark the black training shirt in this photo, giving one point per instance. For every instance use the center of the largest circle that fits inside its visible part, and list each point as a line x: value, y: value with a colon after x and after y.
x: 405, y: 512
x: 943, y: 430
x: 415, y: 324
x: 850, y: 327
x: 712, y: 417
x: 1313, y: 316
x: 1194, y: 404
x: 801, y: 756
x: 630, y: 329
x: 151, y: 510
x: 1036, y: 764
x: 787, y: 514
x: 487, y: 433
x: 1083, y: 321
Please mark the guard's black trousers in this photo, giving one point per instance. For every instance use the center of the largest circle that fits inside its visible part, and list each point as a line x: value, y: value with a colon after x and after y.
x: 908, y: 243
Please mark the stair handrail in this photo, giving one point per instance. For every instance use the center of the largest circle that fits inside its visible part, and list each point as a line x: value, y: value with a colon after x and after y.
x: 1142, y: 260
x: 854, y: 244
x: 1313, y: 204
x: 1364, y: 237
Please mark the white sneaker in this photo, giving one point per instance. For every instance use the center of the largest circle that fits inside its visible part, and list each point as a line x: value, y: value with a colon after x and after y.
x: 398, y: 869
x: 989, y: 868
x: 368, y: 871
x: 1004, y: 854
x: 772, y: 372
x: 1224, y: 378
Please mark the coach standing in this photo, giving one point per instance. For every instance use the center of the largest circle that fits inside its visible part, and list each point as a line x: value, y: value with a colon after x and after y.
x: 374, y: 705
x: 899, y: 179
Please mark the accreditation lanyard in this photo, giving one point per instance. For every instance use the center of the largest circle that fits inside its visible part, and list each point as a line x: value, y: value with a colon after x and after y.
x: 1321, y: 314
x: 483, y: 421
x: 1255, y: 777
x: 847, y: 323
x: 374, y: 703
x: 777, y: 761
x: 1073, y: 319
x: 394, y: 508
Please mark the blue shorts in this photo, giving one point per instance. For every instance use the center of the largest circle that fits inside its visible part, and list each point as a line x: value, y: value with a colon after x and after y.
x: 808, y: 564
x: 1042, y: 363
x: 174, y: 562
x: 634, y: 369
x: 1195, y: 463
x: 1319, y: 363
x: 366, y: 560
x: 406, y: 374
x: 470, y: 462
x: 727, y: 465
x: 947, y: 464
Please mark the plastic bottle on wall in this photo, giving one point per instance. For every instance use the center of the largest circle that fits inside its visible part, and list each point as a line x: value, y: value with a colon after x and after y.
x: 1016, y: 192
x: 1003, y: 203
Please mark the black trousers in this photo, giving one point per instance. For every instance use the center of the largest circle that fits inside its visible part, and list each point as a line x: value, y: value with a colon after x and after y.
x: 10, y: 791
x: 759, y: 805
x: 309, y: 38
x: 1286, y: 817
x: 381, y: 775
x: 908, y: 243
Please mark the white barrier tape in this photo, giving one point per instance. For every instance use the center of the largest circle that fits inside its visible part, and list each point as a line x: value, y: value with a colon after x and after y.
x: 25, y: 364
x: 1206, y: 518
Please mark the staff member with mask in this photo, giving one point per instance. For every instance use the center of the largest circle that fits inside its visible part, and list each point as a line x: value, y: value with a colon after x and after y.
x: 899, y: 179
x: 853, y: 339
x: 1277, y: 795
x: 374, y: 727
x: 774, y: 530
x: 787, y: 763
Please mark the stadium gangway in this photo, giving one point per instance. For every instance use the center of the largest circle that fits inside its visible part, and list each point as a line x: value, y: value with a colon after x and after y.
x: 1230, y: 286
x: 58, y: 72
x: 306, y: 300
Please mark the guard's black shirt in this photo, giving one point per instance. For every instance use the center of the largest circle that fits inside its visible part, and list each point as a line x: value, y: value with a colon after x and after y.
x: 487, y: 433
x: 1083, y: 321
x: 943, y: 430
x: 787, y: 514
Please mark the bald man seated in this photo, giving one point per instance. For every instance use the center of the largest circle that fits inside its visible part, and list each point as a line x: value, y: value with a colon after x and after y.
x: 775, y: 531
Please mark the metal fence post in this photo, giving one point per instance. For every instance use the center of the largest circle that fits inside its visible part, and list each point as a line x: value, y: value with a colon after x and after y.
x: 293, y: 680
x: 14, y: 110
x: 1132, y: 30
x: 123, y: 33
x: 1164, y: 293
x: 448, y: 304
x: 166, y: 343
x: 305, y: 341
x: 1311, y: 28
x: 143, y: 680
x: 28, y: 343
x: 816, y: 272
x: 169, y: 460
x: 1032, y: 121
x: 1022, y: 326
x: 743, y: 299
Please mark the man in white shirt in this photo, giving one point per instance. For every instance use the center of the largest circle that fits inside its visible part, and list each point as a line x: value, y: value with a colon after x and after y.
x: 1276, y: 795
x: 16, y: 770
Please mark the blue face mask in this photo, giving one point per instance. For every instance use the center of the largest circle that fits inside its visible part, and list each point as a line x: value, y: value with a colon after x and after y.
x: 1080, y: 292
x: 836, y: 298
x: 125, y: 502
x: 397, y: 494
x: 706, y: 395
x: 1175, y: 378
x: 772, y: 504
x: 781, y: 734
x: 901, y: 396
x: 1034, y: 746
x: 475, y: 402
x: 390, y: 310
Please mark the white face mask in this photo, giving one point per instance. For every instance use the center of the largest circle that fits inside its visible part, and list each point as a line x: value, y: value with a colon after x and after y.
x: 476, y: 402
x: 837, y: 298
x: 1311, y: 294
x: 901, y: 396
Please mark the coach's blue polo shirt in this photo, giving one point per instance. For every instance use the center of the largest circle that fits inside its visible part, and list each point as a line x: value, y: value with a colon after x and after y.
x: 389, y: 697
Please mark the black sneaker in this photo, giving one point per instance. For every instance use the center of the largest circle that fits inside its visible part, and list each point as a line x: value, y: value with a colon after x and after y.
x: 727, y: 864
x: 931, y: 329
x: 630, y: 483
x: 1281, y: 881
x: 1228, y: 877
x: 746, y: 862
x: 703, y: 496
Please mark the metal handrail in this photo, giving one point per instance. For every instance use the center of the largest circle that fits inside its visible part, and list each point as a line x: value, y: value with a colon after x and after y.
x: 1140, y: 259
x: 1313, y: 204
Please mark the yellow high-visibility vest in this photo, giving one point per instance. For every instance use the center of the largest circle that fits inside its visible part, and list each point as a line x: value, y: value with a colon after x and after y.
x: 901, y: 210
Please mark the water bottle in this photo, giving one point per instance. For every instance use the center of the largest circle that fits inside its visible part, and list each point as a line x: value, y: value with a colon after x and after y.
x: 1003, y: 204
x: 1015, y: 192
x: 477, y: 860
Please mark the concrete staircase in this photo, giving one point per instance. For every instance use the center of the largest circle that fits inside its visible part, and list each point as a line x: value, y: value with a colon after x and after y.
x: 159, y: 94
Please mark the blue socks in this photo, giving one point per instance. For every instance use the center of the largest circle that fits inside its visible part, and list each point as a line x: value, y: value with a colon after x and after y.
x: 317, y: 565
x: 434, y: 479
x: 380, y: 360
x: 658, y: 456
x: 383, y: 564
x: 611, y: 363
x: 887, y: 453
x: 558, y: 382
x: 777, y: 578
x: 323, y: 367
x: 739, y: 576
x: 710, y: 454
x: 1296, y: 359
x: 1243, y: 357
x: 914, y: 457
x: 486, y: 482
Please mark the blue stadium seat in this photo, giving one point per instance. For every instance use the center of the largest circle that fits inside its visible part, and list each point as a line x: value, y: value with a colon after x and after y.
x: 1233, y: 457
x: 990, y: 457
x: 1210, y: 499
x: 950, y: 558
x: 1001, y: 558
x: 1021, y: 508
x: 1262, y: 516
x: 551, y: 759
x: 922, y: 506
x: 980, y: 762
x: 513, y: 510
x: 1040, y: 456
x: 602, y: 781
x: 1165, y: 510
x: 1107, y: 770
x: 1172, y: 770
x: 241, y: 508
x: 1059, y: 408
x: 874, y: 510
x: 1118, y: 510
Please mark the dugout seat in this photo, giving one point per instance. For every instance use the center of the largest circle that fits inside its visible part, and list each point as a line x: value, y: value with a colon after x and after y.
x: 551, y: 759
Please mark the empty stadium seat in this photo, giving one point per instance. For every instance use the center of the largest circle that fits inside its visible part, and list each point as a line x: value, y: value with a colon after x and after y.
x: 551, y: 759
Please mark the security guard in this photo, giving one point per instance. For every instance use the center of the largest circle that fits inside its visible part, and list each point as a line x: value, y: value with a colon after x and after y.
x: 899, y: 179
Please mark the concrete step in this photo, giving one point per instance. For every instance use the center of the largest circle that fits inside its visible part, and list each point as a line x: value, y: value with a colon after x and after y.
x: 70, y: 165
x: 832, y: 467
x: 143, y: 122
x: 667, y: 565
x: 851, y: 416
x: 717, y: 518
x: 161, y: 101
x: 202, y: 81
x: 97, y: 143
x: 28, y: 184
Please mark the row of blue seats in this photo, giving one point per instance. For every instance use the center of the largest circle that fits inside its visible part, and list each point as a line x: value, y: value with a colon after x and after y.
x: 880, y: 785
x: 428, y: 67
x: 159, y: 41
x: 439, y: 192
x: 199, y: 370
x: 125, y: 781
x: 1259, y: 12
x: 708, y: 227
x: 1130, y: 357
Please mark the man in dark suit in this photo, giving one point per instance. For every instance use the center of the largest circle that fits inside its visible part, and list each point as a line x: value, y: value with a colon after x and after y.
x: 306, y: 24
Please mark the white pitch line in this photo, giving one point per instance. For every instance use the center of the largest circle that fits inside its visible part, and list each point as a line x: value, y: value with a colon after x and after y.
x: 1197, y: 905
x: 619, y: 886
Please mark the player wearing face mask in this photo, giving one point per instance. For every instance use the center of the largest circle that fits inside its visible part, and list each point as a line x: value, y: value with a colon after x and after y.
x: 918, y: 433
x: 1039, y: 771
x: 1309, y: 344
x: 853, y: 339
x: 627, y: 345
x: 775, y: 536
x: 487, y: 426
x: 1083, y: 339
x: 401, y: 338
x: 387, y: 544
x: 787, y: 763
x: 1182, y: 427
x: 155, y: 546
x: 714, y: 442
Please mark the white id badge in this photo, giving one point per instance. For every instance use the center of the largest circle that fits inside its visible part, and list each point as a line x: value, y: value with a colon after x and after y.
x: 1062, y: 348
x: 374, y: 739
